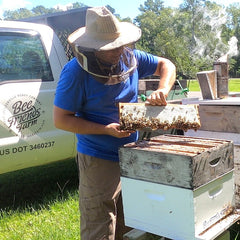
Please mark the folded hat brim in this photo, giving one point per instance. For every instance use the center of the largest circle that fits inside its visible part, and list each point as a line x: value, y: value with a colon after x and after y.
x: 129, y: 33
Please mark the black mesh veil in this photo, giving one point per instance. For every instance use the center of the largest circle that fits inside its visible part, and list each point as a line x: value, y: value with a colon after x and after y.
x: 107, y: 74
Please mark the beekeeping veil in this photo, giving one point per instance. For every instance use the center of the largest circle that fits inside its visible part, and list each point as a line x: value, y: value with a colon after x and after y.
x: 104, y: 32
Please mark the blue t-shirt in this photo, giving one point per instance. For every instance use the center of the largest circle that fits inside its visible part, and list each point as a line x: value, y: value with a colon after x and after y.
x: 79, y: 92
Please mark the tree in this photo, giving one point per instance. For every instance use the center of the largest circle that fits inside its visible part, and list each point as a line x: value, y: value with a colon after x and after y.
x: 192, y: 7
x: 148, y: 24
x: 17, y: 14
x: 164, y: 33
x: 36, y: 11
x: 41, y: 10
x: 78, y: 5
x: 154, y: 6
x: 233, y: 29
x: 190, y: 36
x: 205, y: 24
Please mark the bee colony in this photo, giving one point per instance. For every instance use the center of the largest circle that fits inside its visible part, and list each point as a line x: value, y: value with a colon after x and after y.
x: 177, y: 186
x: 135, y: 116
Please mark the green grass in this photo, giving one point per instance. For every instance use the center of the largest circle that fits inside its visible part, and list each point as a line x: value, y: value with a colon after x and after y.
x: 55, y: 220
x: 234, y: 85
x: 40, y: 203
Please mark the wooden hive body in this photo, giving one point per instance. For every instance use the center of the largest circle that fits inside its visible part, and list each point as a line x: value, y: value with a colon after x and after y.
x: 181, y: 161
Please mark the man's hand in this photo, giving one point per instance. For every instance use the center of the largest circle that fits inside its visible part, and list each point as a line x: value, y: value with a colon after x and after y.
x: 67, y: 121
x: 157, y: 98
x: 113, y: 129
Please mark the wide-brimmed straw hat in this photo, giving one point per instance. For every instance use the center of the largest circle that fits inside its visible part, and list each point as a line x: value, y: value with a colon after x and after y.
x: 103, y: 31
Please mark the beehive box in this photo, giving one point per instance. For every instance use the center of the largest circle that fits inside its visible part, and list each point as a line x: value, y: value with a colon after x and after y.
x: 235, y: 137
x: 181, y: 161
x: 174, y: 212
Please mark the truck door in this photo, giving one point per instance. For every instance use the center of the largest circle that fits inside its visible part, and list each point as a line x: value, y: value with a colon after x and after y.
x: 27, y: 86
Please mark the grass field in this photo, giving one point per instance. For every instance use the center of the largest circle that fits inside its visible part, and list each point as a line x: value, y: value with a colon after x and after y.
x: 234, y: 85
x: 40, y: 203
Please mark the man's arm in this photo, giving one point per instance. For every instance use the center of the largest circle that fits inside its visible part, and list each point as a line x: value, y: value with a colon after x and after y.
x: 66, y: 120
x: 167, y: 72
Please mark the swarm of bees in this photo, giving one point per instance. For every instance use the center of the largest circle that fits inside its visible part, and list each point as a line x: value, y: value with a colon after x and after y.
x: 140, y: 116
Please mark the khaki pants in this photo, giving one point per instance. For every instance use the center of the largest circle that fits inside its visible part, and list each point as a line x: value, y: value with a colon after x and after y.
x: 100, y: 199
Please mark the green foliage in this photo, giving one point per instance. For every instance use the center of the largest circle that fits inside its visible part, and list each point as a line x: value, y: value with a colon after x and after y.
x: 17, y: 14
x: 152, y: 6
x: 78, y: 5
x: 41, y: 10
x: 193, y: 36
x: 36, y: 11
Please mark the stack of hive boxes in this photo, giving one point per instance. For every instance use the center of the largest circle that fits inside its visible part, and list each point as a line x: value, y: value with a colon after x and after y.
x: 177, y: 186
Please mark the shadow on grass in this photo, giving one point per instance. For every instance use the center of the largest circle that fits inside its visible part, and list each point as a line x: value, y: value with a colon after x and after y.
x: 38, y: 186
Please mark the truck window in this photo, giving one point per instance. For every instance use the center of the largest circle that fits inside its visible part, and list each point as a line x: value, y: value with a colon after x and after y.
x: 22, y: 57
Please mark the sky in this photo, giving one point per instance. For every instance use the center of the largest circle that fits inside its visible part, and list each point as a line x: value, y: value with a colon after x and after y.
x: 125, y: 8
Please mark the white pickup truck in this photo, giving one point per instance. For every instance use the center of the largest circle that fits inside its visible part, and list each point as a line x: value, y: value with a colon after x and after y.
x: 31, y: 59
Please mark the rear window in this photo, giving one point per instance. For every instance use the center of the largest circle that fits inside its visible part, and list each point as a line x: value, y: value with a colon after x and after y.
x: 22, y: 57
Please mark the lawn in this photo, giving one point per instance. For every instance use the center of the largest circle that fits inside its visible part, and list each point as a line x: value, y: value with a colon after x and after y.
x: 40, y: 203
x: 234, y: 85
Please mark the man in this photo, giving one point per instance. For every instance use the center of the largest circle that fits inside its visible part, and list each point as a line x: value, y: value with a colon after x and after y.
x: 105, y: 72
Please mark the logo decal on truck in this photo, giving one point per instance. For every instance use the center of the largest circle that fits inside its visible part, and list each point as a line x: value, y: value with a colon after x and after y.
x: 24, y: 115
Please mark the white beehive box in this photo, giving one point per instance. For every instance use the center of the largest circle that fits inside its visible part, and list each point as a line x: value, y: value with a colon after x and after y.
x: 175, y: 212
